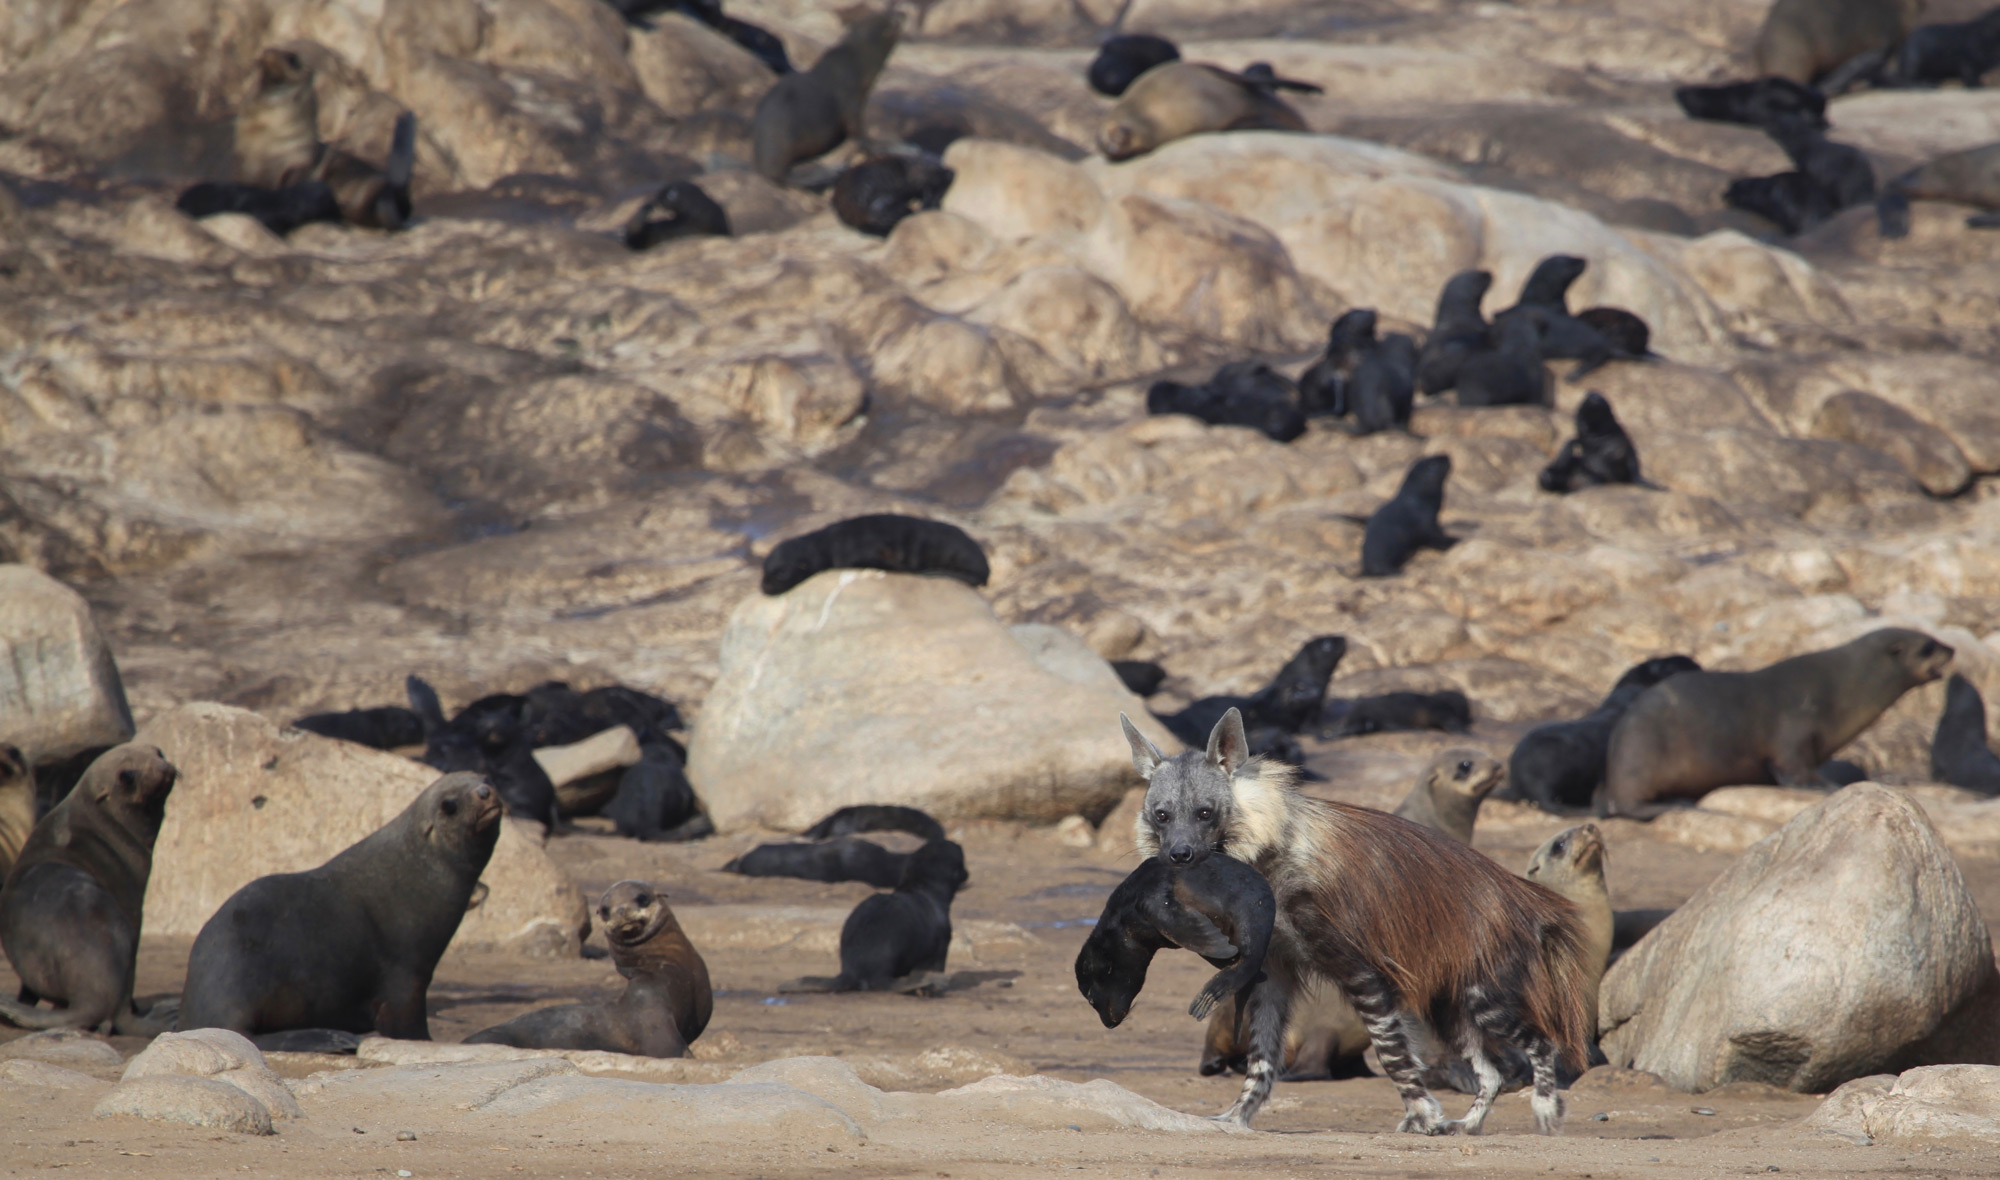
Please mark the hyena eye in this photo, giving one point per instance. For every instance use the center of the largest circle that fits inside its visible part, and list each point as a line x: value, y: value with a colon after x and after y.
x: 1204, y: 814
x: 1162, y: 815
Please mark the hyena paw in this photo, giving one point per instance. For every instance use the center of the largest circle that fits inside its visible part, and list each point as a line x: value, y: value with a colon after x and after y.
x: 1418, y: 1122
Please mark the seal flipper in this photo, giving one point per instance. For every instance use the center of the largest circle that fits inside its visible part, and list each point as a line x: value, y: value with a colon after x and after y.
x: 1983, y: 221
x: 424, y: 703
x: 309, y: 1040
x: 392, y: 203
x: 1259, y: 76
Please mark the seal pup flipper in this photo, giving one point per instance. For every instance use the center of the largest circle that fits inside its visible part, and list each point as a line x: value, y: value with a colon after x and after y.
x: 424, y: 703
x: 1259, y: 76
x: 392, y: 203
x: 309, y: 1040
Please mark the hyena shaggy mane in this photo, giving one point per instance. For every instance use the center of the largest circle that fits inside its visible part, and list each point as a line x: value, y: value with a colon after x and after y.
x: 1414, y: 929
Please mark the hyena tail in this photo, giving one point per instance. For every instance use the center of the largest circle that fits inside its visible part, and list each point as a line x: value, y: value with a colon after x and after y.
x: 1558, y: 993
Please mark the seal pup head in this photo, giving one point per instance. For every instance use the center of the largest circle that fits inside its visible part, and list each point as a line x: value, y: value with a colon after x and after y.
x: 459, y: 815
x: 632, y: 912
x: 1573, y: 854
x: 130, y: 780
x: 938, y: 865
x: 1549, y: 284
x: 1217, y: 800
x: 1462, y: 295
x: 1467, y: 773
x: 1424, y: 482
x: 1921, y: 658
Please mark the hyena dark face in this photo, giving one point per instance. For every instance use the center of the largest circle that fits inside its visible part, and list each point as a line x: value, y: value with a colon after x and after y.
x: 1188, y: 796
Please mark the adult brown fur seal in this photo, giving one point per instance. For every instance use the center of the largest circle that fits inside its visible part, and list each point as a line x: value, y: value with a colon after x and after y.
x: 17, y: 805
x: 277, y: 128
x: 1572, y: 863
x: 1695, y: 732
x: 1803, y: 39
x: 1448, y: 793
x: 663, y: 1009
x: 350, y: 945
x: 1970, y: 177
x: 73, y: 905
x: 804, y: 116
x: 1178, y: 99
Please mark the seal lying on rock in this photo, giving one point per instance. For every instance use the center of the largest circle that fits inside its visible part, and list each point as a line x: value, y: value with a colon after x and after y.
x: 688, y: 212
x: 280, y: 210
x: 1448, y: 792
x: 1409, y: 521
x: 804, y: 116
x: 1700, y: 730
x: 1121, y: 59
x: 1804, y: 39
x: 1458, y: 332
x: 898, y: 941
x: 350, y: 945
x: 846, y: 858
x: 875, y: 194
x: 377, y: 198
x: 385, y: 728
x: 73, y: 903
x: 882, y: 541
x: 654, y: 800
x: 664, y: 1007
x: 1827, y: 177
x: 1545, y: 301
x: 1960, y: 754
x: 758, y: 41
x: 1970, y: 177
x: 1753, y: 103
x: 1287, y: 705
x: 876, y: 817
x: 1177, y: 99
x: 1391, y: 711
x: 1600, y: 453
x: 1558, y: 766
x: 1963, y: 51
x: 1221, y: 909
x: 1242, y: 393
x: 1143, y: 677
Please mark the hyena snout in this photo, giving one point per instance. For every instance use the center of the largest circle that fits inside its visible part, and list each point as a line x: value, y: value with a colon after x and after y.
x: 1181, y: 853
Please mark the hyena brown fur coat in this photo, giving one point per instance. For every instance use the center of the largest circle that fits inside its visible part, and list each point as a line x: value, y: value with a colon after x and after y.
x: 1413, y: 928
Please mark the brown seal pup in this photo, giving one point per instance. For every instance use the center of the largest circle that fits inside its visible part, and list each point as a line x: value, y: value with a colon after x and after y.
x: 1804, y: 39
x: 1177, y: 99
x: 663, y: 1009
x: 17, y: 805
x: 1970, y: 177
x: 1572, y: 863
x: 804, y: 116
x: 350, y: 945
x: 1324, y: 1039
x: 277, y: 128
x: 1448, y: 793
x: 1688, y: 735
x: 73, y: 905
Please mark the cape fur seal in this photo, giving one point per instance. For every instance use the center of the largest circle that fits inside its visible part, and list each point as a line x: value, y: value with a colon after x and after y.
x: 876, y: 817
x: 844, y: 858
x: 351, y: 945
x: 688, y: 212
x: 1143, y: 677
x: 883, y: 541
x: 1805, y: 39
x: 1448, y: 792
x: 1545, y: 301
x: 1558, y: 766
x: 1177, y: 99
x: 1960, y: 754
x: 1753, y: 103
x: 898, y: 941
x: 1323, y: 385
x: 276, y: 129
x: 1970, y: 177
x: 1571, y: 863
x: 1288, y: 704
x: 17, y: 805
x: 280, y: 210
x: 385, y: 728
x: 1600, y: 453
x: 662, y: 1010
x: 1962, y: 51
x: 1510, y: 373
x: 760, y: 42
x: 1122, y: 59
x: 654, y: 800
x: 74, y: 901
x: 1458, y: 332
x: 1827, y: 177
x: 1384, y: 387
x: 1241, y: 393
x: 1409, y: 521
x: 875, y: 194
x: 804, y: 116
x: 1221, y: 909
x: 1392, y: 711
x: 1700, y: 730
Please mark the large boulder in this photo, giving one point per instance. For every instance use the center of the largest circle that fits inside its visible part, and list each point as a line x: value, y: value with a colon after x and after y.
x: 864, y: 687
x: 59, y: 689
x: 1842, y: 943
x: 220, y: 1054
x: 254, y: 799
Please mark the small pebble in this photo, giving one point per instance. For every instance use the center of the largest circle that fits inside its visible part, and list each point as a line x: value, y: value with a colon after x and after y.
x: 406, y: 1136
x: 1600, y: 1117
x: 1703, y: 1110
x: 1074, y: 1127
x: 404, y: 1173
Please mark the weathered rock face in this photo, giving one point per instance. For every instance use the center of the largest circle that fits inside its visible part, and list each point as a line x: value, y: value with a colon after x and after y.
x: 196, y: 1101
x: 253, y: 799
x: 864, y: 687
x: 220, y: 1054
x: 1836, y: 946
x: 59, y: 689
x: 1943, y: 1105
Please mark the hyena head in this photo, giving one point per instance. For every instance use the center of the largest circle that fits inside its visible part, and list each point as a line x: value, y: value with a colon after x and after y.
x: 1189, y: 799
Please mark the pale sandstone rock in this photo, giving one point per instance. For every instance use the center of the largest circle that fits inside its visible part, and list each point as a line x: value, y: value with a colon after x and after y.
x: 41, y: 1075
x: 198, y: 1102
x: 219, y: 1054
x: 1926, y: 452
x: 254, y: 799
x: 60, y: 693
x: 1017, y: 192
x: 1830, y: 948
x: 63, y: 1046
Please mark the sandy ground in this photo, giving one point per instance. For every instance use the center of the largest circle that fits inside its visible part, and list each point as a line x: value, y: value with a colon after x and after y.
x: 1015, y: 1007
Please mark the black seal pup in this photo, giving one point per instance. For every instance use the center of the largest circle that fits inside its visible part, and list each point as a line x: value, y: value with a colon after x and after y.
x: 384, y: 728
x: 1753, y: 103
x: 1806, y: 39
x: 1409, y: 521
x: 804, y: 116
x: 883, y: 541
x: 1458, y: 332
x: 351, y: 945
x: 662, y: 1010
x: 1143, y: 677
x: 1629, y: 335
x: 1176, y: 99
x: 1287, y: 705
x: 1545, y: 300
x: 1558, y: 766
x: 1959, y: 752
x: 73, y: 903
x: 844, y: 858
x: 1827, y: 177
x: 1963, y: 51
x: 485, y: 739
x: 1448, y: 792
x: 1121, y: 59
x: 898, y: 941
x: 1600, y: 453
x: 1509, y: 374
x: 875, y: 194
x: 686, y: 212
x: 759, y: 41
x: 1695, y: 732
x: 280, y: 210
x: 1970, y: 177
x: 1384, y: 387
x: 876, y: 817
x: 1323, y: 385
x: 1392, y: 711
x: 1221, y: 909
x: 654, y: 800
x: 1241, y: 393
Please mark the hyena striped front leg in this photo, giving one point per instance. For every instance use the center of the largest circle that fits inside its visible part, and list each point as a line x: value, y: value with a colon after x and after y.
x: 1263, y: 1038
x: 1380, y: 1008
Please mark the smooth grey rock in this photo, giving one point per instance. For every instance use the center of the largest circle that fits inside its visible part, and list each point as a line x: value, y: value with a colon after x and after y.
x: 23, y: 1071
x: 648, y: 1110
x: 59, y: 688
x: 220, y: 1054
x: 64, y: 1046
x: 198, y: 1102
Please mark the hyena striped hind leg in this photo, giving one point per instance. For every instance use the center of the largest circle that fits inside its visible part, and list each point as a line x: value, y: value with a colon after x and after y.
x: 1263, y: 1024
x: 1472, y: 1043
x: 1380, y: 1009
x: 1503, y: 1023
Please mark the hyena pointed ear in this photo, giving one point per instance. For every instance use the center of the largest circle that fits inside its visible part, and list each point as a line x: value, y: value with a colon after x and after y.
x: 1228, y: 746
x: 1146, y: 756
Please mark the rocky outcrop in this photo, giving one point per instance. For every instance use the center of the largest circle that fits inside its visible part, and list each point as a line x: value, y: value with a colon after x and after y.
x: 59, y: 688
x: 1842, y: 943
x: 254, y: 799
x: 1936, y: 1105
x: 864, y: 687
